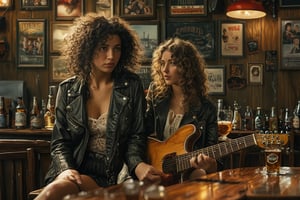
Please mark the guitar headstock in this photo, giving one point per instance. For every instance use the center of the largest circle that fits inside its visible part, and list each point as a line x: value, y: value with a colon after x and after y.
x: 271, y: 139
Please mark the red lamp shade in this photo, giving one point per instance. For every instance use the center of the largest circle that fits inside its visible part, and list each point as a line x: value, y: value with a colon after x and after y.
x: 246, y: 9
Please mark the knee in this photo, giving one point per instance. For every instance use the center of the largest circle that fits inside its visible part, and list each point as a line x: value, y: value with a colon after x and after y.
x: 57, y: 190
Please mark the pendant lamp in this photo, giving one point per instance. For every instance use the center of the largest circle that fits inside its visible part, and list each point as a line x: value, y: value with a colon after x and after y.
x: 246, y: 9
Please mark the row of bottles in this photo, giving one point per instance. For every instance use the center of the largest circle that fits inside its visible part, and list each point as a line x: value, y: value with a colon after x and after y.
x: 282, y: 122
x: 16, y: 115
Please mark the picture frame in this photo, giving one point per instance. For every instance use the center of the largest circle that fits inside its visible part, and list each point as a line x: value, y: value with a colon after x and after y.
x: 236, y: 79
x: 271, y: 61
x: 104, y: 7
x: 201, y: 34
x: 216, y: 79
x: 58, y: 31
x: 8, y: 4
x: 138, y: 11
x: 58, y: 70
x: 31, y: 43
x: 35, y: 5
x: 232, y: 38
x: 149, y: 36
x: 289, y: 44
x: 289, y: 3
x: 179, y: 8
x: 145, y: 75
x: 255, y: 73
x: 68, y: 11
x: 252, y: 46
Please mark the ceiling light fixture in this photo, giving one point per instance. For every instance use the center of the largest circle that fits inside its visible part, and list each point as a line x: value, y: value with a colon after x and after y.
x: 246, y: 9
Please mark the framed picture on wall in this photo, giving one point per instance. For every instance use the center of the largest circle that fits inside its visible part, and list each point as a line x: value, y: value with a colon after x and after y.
x: 68, y: 11
x: 58, y: 31
x: 149, y: 36
x: 35, y: 5
x: 8, y: 4
x: 178, y: 8
x: 31, y: 43
x: 216, y: 79
x: 232, y: 38
x: 290, y: 44
x: 255, y: 73
x: 138, y: 9
x: 289, y: 3
x: 201, y: 34
x: 104, y: 7
x: 58, y: 70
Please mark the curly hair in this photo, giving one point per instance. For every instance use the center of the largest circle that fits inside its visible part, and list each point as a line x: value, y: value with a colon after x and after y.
x: 190, y: 65
x: 88, y: 32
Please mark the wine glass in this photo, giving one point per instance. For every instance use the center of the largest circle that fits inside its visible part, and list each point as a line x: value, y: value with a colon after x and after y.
x: 224, y: 124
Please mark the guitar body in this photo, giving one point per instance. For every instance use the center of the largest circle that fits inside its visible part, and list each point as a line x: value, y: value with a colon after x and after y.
x: 178, y: 143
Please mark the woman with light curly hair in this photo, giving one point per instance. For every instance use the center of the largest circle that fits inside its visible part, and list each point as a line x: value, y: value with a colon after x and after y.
x: 99, y: 111
x: 177, y: 96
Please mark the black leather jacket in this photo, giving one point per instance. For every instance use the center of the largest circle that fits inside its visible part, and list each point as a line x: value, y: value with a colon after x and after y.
x: 125, y: 133
x: 204, y: 117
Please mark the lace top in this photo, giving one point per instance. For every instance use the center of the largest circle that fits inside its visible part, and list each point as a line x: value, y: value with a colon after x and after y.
x: 97, y: 134
x: 172, y: 123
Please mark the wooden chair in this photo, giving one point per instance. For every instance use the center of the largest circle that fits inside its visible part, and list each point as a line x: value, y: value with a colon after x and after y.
x: 24, y: 164
x: 17, y: 174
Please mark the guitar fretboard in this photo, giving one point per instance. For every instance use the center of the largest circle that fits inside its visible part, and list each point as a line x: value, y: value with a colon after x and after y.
x: 215, y: 151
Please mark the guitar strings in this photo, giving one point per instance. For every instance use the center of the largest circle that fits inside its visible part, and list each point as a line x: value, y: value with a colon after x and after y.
x: 214, y: 151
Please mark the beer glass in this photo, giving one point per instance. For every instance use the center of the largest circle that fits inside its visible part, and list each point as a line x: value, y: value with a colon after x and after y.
x: 224, y: 124
x: 273, y: 159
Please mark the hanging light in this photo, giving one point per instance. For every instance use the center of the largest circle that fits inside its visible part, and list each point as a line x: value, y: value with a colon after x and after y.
x: 246, y: 9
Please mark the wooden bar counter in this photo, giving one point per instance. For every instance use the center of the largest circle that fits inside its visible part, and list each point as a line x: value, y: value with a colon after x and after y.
x: 240, y: 183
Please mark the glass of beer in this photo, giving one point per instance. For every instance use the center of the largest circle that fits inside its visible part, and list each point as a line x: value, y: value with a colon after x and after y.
x: 224, y: 124
x: 273, y: 159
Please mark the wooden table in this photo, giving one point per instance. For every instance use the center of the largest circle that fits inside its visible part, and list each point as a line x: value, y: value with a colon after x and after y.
x: 240, y: 183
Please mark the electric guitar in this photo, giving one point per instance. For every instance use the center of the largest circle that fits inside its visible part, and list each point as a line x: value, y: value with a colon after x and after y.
x: 172, y: 156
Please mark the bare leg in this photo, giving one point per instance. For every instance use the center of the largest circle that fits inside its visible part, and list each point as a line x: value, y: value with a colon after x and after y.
x: 59, y: 188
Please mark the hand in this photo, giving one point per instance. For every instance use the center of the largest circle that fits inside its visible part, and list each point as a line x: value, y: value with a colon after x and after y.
x: 204, y: 162
x: 146, y: 172
x: 71, y: 175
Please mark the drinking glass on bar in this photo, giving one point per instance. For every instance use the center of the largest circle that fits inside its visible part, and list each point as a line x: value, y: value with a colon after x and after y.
x: 224, y: 124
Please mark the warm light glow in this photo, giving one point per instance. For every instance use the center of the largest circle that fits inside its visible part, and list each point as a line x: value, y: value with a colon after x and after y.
x: 4, y: 2
x: 246, y: 9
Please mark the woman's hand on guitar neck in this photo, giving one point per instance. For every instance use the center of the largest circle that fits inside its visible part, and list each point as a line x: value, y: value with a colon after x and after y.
x: 146, y: 172
x: 204, y: 162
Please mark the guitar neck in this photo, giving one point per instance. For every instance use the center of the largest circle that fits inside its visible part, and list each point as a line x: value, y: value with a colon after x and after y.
x: 215, y: 151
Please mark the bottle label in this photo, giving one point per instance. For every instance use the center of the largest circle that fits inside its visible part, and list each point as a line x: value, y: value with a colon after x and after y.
x: 296, y: 122
x: 35, y: 122
x: 2, y: 121
x: 20, y: 119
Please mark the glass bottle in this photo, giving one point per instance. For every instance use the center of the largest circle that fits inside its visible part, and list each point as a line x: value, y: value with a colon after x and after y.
x: 281, y: 120
x: 43, y: 111
x: 220, y: 109
x: 237, y: 120
x: 287, y: 121
x: 258, y: 121
x: 296, y: 123
x: 35, y: 117
x: 248, y: 116
x: 49, y: 117
x: 20, y: 114
x: 2, y: 113
x: 273, y: 120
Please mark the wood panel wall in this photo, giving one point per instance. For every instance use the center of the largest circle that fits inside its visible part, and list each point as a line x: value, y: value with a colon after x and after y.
x: 280, y: 88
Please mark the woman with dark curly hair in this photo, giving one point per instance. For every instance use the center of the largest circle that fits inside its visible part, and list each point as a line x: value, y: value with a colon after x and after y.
x: 178, y: 96
x: 99, y: 111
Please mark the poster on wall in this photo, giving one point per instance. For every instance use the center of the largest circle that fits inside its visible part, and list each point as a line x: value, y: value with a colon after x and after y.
x: 232, y: 38
x: 31, y: 44
x: 201, y: 34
